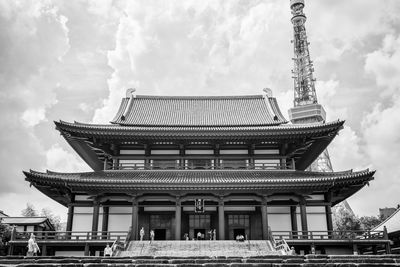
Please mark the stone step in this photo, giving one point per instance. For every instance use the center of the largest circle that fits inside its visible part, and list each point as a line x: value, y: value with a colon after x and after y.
x: 257, y: 261
x: 199, y: 248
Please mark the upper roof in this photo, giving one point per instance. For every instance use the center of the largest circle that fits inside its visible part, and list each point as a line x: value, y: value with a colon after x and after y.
x: 248, y: 110
x: 392, y: 223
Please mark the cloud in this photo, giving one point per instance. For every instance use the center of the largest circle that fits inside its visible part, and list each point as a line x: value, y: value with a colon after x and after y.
x: 58, y: 159
x: 32, y: 117
x: 384, y: 65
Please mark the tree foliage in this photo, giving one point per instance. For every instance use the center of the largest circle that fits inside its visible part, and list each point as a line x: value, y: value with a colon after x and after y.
x: 29, y: 211
x: 344, y: 220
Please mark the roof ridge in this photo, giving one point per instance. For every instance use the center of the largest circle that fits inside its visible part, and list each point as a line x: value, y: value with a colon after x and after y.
x: 199, y: 97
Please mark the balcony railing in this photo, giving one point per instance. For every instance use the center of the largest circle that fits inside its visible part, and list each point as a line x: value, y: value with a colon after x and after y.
x: 333, y: 235
x: 224, y: 166
x: 69, y: 236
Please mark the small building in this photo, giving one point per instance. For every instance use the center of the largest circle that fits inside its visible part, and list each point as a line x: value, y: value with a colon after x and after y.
x: 392, y: 224
x: 385, y: 213
x: 29, y: 224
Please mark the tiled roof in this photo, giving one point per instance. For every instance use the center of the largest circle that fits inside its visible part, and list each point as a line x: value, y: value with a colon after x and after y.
x: 192, y: 179
x: 392, y: 223
x: 195, y: 131
x: 253, y: 110
x: 24, y: 220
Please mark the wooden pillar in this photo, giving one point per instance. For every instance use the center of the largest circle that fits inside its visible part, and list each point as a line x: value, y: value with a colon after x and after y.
x: 181, y: 156
x: 293, y: 218
x: 87, y: 250
x: 105, y: 164
x: 104, y: 225
x: 217, y: 162
x: 386, y: 237
x: 329, y: 222
x: 264, y: 218
x: 221, y: 219
x: 178, y: 218
x: 70, y: 217
x: 303, y: 215
x: 95, y: 220
x: 135, y: 216
x: 44, y: 250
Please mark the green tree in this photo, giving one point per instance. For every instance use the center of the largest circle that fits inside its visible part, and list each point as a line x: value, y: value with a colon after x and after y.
x: 5, y: 236
x: 29, y: 211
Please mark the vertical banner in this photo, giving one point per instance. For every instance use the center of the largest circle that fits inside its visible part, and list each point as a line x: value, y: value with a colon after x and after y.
x: 199, y: 205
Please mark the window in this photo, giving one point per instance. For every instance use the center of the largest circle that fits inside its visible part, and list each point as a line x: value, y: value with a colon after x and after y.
x: 165, y: 163
x: 239, y: 220
x: 234, y: 163
x: 199, y: 164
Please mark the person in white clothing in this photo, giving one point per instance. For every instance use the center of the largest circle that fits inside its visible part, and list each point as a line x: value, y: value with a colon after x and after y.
x: 108, y: 251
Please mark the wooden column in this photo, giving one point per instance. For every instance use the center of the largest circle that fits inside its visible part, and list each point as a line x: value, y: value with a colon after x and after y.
x: 95, y: 220
x: 104, y: 225
x: 70, y: 217
x: 135, y: 216
x: 217, y: 162
x: 264, y: 218
x: 221, y: 219
x: 303, y: 215
x: 329, y: 222
x: 178, y: 218
x: 293, y: 218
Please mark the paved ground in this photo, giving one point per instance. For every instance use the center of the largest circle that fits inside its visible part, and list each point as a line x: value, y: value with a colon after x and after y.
x: 199, y: 248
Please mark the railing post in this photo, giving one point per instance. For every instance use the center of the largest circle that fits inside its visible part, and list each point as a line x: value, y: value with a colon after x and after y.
x: 386, y: 237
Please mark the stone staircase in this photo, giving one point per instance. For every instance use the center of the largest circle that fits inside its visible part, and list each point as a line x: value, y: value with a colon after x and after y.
x: 198, y: 249
x: 257, y: 261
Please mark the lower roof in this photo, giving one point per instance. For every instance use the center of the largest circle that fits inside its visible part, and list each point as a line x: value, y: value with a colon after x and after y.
x: 61, y: 185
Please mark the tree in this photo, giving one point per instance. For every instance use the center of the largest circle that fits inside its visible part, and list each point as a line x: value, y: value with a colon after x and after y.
x: 369, y: 222
x: 29, y: 211
x: 344, y: 221
x: 54, y: 219
x: 5, y: 236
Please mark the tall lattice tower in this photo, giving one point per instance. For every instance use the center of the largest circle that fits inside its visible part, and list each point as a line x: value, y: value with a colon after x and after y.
x: 306, y: 108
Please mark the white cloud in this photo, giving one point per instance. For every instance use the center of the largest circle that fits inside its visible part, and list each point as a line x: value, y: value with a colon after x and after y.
x: 32, y: 117
x: 384, y: 65
x: 58, y: 159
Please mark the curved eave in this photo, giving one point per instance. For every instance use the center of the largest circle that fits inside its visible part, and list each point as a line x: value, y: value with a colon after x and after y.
x: 343, y: 183
x: 217, y: 132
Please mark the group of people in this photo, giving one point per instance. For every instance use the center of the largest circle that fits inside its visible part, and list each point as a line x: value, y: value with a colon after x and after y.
x: 142, y: 234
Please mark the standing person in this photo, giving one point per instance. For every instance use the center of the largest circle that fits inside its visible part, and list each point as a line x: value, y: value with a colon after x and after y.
x: 151, y: 235
x: 141, y: 234
x: 31, y: 245
x: 108, y: 251
x: 210, y: 234
x: 199, y: 235
x: 214, y: 234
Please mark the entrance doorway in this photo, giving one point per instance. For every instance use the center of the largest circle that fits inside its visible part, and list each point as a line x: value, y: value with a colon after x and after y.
x: 199, y: 223
x: 160, y: 234
x: 239, y: 232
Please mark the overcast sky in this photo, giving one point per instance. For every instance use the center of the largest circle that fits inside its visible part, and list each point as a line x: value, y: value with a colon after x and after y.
x: 74, y: 60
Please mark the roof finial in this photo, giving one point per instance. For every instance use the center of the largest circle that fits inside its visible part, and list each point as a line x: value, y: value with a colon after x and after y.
x: 268, y: 92
x: 130, y: 93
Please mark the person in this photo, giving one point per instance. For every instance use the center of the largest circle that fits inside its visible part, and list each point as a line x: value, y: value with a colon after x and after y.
x: 151, y: 235
x: 210, y: 233
x: 108, y: 251
x: 292, y: 251
x: 199, y: 236
x: 186, y: 236
x: 141, y: 234
x: 214, y: 234
x: 30, y: 246
x: 33, y: 248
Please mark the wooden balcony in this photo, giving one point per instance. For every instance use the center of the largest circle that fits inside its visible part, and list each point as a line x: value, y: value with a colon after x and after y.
x: 224, y: 166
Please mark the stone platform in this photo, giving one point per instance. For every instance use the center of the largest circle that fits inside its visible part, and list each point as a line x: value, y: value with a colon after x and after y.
x: 202, y: 248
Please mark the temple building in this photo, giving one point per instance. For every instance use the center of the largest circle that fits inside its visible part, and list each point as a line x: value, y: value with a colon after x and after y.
x: 185, y: 166
x: 236, y: 154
